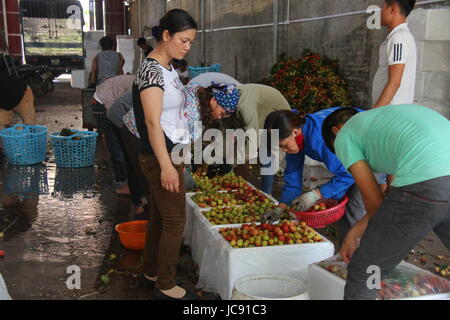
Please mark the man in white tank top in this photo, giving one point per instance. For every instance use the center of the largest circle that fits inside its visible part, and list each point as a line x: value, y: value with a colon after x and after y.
x: 107, y: 64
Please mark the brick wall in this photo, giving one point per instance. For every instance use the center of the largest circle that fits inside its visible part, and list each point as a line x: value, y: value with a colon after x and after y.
x: 247, y: 54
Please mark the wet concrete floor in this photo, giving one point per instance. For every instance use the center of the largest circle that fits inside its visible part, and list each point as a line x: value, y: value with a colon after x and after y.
x: 60, y: 218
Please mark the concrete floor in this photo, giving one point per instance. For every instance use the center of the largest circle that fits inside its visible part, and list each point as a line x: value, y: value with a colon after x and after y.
x: 67, y: 217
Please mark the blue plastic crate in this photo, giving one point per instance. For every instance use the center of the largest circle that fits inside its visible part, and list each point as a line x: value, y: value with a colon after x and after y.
x: 75, y: 151
x: 195, y: 71
x: 24, y: 144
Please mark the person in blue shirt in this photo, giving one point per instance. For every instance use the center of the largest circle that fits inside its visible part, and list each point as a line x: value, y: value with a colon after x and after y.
x: 301, y: 135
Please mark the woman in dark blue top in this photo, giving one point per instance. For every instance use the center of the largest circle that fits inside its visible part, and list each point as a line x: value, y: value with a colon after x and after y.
x: 300, y: 136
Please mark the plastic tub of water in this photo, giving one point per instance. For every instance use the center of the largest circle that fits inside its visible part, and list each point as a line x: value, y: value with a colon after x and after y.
x: 270, y: 287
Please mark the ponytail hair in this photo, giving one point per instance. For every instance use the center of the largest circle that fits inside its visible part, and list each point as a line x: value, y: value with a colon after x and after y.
x: 204, y: 98
x: 176, y: 20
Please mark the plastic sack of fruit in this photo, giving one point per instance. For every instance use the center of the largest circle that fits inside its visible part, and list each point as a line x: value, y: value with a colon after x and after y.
x: 335, y: 265
x: 408, y: 281
x: 4, y: 295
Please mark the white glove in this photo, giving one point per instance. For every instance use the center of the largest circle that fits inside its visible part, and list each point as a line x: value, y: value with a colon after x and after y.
x: 306, y: 200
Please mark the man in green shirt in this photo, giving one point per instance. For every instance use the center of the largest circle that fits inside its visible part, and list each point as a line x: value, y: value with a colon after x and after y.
x: 412, y: 143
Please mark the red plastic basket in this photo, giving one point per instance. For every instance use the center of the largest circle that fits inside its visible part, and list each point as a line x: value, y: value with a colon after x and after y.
x: 320, y: 219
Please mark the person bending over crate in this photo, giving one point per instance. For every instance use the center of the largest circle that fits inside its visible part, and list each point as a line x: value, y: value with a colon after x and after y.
x: 105, y: 95
x: 301, y: 135
x: 16, y: 97
x: 244, y: 106
x: 413, y: 147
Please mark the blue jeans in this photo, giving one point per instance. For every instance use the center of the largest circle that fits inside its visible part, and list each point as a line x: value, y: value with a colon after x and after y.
x: 406, y: 216
x: 113, y: 143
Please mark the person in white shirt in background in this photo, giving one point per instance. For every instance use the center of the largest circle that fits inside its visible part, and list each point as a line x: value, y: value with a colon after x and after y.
x: 394, y: 82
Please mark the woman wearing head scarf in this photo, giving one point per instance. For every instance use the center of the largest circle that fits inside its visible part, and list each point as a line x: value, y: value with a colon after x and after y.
x: 244, y: 106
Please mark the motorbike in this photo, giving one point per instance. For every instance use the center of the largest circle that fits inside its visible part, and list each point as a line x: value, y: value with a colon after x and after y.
x: 39, y: 78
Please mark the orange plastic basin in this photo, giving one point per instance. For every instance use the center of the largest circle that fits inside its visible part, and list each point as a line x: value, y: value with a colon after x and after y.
x: 132, y: 234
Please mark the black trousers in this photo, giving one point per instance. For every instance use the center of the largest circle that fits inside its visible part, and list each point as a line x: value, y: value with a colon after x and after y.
x: 137, y: 182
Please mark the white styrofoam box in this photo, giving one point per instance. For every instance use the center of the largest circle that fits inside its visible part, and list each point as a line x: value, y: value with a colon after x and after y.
x: 324, y: 285
x: 90, y: 54
x: 187, y: 234
x: 130, y: 60
x: 88, y: 65
x: 92, y: 40
x: 197, y: 226
x: 129, y: 66
x: 430, y: 24
x: 129, y: 53
x: 128, y: 47
x: 432, y: 85
x: 439, y: 106
x: 191, y: 209
x: 93, y: 35
x: 433, y: 56
x: 201, y: 229
x: 79, y: 79
x: 92, y: 46
x: 131, y: 57
x: 223, y: 265
x: 126, y: 44
x: 4, y: 295
x: 128, y: 69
